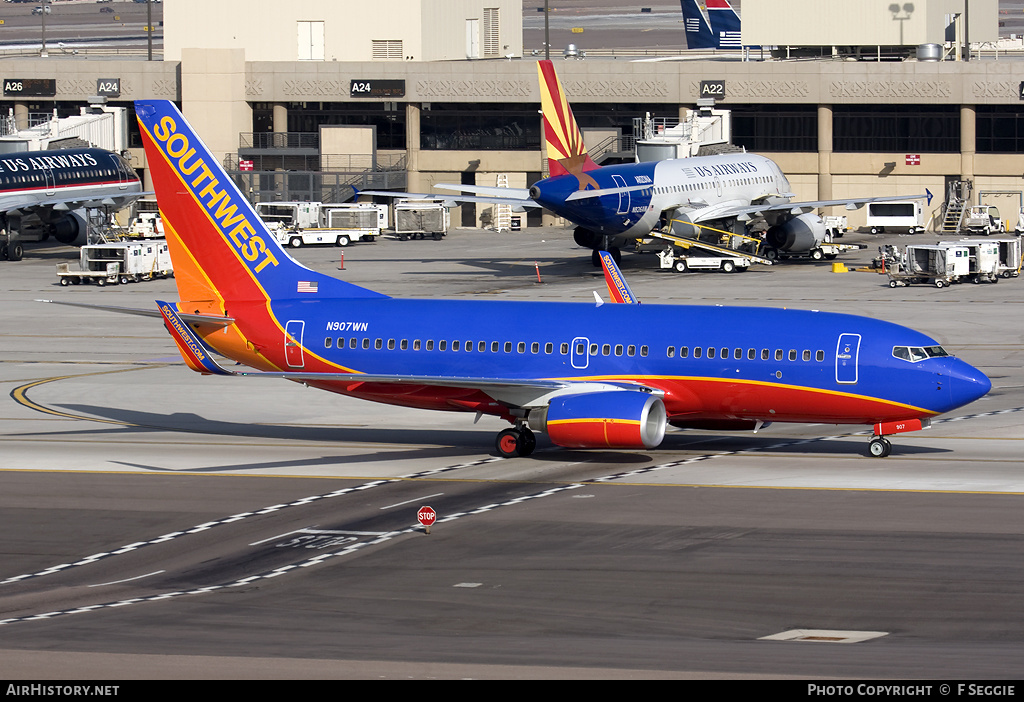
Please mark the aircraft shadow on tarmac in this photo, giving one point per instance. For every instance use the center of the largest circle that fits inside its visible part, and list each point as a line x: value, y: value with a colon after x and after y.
x: 471, y: 443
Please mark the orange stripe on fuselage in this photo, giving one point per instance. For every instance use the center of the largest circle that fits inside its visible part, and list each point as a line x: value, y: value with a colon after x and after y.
x: 699, y: 397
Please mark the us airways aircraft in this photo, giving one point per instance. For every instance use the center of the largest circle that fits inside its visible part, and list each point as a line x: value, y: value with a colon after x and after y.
x: 614, y: 205
x: 719, y: 30
x: 587, y: 375
x: 59, y: 186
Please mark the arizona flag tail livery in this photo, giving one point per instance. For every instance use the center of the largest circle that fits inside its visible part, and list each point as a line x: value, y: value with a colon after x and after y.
x: 566, y: 152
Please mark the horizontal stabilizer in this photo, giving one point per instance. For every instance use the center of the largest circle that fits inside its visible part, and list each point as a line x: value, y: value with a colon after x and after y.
x: 585, y: 194
x: 202, y: 319
x: 516, y: 193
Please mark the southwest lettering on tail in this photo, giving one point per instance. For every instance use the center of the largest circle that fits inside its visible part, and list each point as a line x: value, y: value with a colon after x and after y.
x: 220, y: 203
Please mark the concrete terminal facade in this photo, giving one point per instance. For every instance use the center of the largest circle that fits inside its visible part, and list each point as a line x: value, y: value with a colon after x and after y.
x: 836, y: 128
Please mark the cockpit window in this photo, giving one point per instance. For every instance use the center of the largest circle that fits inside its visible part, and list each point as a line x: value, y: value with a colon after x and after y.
x: 918, y: 353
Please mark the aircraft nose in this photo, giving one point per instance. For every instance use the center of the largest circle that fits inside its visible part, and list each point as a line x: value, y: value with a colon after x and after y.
x: 966, y: 384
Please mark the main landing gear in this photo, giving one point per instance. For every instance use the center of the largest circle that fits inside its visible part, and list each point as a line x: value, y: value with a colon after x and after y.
x: 879, y: 447
x: 518, y: 441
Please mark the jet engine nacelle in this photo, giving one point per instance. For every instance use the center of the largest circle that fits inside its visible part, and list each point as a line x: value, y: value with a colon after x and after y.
x: 69, y: 227
x: 801, y: 233
x: 586, y: 238
x: 682, y: 227
x: 627, y: 419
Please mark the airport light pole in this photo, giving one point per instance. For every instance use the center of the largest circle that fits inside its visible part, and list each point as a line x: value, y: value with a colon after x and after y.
x: 149, y: 28
x: 547, y: 35
x: 45, y: 6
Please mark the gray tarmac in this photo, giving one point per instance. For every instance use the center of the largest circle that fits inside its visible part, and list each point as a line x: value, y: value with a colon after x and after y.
x: 158, y: 523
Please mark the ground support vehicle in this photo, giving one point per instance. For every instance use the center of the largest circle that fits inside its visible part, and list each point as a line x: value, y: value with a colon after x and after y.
x: 983, y: 259
x: 123, y: 262
x: 418, y: 219
x: 681, y: 264
x: 336, y: 237
x: 983, y: 219
x: 683, y: 254
x: 1009, y: 257
x: 895, y: 217
x: 935, y: 264
x: 835, y: 225
x: 298, y: 224
x: 826, y: 250
x: 147, y: 225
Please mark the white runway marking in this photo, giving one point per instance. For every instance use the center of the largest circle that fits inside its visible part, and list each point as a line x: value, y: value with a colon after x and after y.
x: 128, y: 580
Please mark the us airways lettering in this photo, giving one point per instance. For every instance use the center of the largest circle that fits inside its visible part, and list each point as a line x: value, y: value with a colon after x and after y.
x: 722, y: 169
x: 225, y: 213
x: 44, y: 163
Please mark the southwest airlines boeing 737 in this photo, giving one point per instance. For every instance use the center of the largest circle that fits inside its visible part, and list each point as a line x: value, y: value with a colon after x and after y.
x: 587, y: 375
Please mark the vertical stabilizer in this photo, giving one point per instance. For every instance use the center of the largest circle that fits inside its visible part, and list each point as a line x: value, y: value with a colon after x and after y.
x: 221, y: 250
x: 566, y: 152
x: 725, y: 24
x: 696, y: 27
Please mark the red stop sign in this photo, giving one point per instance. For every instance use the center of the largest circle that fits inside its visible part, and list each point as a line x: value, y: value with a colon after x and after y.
x: 426, y: 515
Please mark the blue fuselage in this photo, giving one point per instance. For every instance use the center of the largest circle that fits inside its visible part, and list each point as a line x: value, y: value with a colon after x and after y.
x: 736, y: 362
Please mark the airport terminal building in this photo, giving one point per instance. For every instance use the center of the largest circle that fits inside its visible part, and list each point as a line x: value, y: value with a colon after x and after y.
x: 432, y: 91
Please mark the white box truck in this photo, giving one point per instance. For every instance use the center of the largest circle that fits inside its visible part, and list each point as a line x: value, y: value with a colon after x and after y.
x: 302, y: 223
x: 897, y: 216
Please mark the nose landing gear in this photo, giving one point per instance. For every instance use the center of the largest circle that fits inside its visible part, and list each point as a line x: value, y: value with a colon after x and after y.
x: 879, y: 447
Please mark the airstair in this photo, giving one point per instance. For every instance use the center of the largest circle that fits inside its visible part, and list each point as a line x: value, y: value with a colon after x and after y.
x: 957, y: 195
x: 502, y: 213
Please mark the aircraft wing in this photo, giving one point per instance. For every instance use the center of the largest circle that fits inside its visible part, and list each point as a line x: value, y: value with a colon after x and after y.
x: 11, y: 203
x: 744, y: 212
x: 517, y: 203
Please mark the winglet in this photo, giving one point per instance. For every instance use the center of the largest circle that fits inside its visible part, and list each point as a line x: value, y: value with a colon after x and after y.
x: 613, y: 278
x: 193, y: 350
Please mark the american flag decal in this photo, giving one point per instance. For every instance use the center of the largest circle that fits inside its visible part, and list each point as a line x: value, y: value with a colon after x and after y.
x: 306, y: 286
